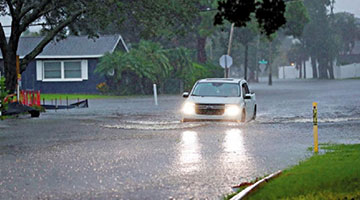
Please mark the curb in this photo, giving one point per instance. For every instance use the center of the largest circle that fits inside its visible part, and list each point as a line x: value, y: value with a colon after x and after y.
x: 251, y: 188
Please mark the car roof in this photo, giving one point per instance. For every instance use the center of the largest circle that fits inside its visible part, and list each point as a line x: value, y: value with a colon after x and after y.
x: 222, y: 80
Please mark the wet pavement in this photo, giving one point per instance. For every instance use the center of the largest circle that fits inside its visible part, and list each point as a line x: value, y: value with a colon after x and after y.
x: 130, y: 149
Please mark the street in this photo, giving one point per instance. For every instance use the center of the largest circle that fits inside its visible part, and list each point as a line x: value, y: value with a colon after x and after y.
x: 128, y: 148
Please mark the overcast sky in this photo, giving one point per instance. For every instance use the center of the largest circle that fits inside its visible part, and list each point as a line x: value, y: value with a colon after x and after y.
x: 352, y: 6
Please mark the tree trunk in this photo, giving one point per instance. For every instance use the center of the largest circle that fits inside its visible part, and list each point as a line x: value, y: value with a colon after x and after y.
x: 304, y: 62
x: 323, y: 68
x: 201, y: 53
x: 300, y: 69
x: 10, y: 71
x: 331, y: 69
x: 270, y: 64
x: 246, y: 61
x: 257, y: 60
x: 314, y: 69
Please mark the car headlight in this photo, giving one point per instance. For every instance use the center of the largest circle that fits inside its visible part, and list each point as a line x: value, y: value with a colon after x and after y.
x: 188, y: 108
x: 232, y: 110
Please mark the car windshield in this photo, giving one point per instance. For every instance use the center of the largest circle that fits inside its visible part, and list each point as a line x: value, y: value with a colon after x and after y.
x: 216, y: 89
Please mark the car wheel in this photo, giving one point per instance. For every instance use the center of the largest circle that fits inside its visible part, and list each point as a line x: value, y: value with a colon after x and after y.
x: 243, y: 116
x: 254, y: 116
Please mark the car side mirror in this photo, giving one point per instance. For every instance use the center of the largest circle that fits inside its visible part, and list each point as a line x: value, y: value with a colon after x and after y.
x: 185, y: 94
x: 247, y: 96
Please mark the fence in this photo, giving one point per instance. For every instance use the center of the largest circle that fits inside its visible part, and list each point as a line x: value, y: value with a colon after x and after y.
x: 347, y: 71
x: 30, y: 98
x: 340, y: 72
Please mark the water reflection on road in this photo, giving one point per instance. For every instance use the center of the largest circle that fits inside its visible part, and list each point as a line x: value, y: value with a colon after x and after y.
x: 234, y: 157
x: 234, y: 150
x: 233, y: 154
x: 189, y: 155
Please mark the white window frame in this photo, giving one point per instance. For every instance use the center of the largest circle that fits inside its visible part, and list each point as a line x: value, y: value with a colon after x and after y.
x: 83, y: 72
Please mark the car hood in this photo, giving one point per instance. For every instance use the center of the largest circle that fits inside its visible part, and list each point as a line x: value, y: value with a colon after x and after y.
x: 214, y: 100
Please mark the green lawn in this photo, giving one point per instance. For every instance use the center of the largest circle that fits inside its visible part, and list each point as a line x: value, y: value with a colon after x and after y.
x: 333, y: 175
x: 76, y: 96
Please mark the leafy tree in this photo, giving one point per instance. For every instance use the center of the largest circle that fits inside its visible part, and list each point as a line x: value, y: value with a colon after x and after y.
x: 345, y: 26
x: 154, y: 20
x: 148, y: 63
x: 57, y: 17
x: 297, y: 54
x: 296, y: 18
x: 201, y: 29
x: 320, y: 38
x: 269, y: 13
x: 246, y: 35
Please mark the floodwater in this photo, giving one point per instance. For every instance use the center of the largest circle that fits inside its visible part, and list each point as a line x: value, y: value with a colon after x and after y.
x: 130, y: 149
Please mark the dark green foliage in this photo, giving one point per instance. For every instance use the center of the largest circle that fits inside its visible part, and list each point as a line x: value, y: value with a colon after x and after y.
x: 296, y: 18
x: 149, y: 63
x: 347, y: 29
x: 270, y: 16
x: 269, y: 13
x: 237, y: 12
x: 155, y: 20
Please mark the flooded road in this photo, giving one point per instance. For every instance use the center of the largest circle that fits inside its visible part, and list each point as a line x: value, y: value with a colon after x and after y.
x: 130, y: 149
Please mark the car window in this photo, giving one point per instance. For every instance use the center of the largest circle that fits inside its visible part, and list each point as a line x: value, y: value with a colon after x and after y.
x: 217, y: 89
x: 245, y: 89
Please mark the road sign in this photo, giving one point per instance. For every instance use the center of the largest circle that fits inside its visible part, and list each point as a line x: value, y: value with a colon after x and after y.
x: 225, y: 61
x: 263, y: 62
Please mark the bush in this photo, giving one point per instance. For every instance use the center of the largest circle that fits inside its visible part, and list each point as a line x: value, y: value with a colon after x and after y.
x: 3, y: 94
x: 103, y: 88
x: 149, y: 63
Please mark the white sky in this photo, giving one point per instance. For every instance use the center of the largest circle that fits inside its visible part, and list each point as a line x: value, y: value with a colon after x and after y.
x: 351, y: 6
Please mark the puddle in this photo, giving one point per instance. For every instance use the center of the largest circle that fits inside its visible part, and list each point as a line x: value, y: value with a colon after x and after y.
x: 167, y: 125
x: 152, y: 125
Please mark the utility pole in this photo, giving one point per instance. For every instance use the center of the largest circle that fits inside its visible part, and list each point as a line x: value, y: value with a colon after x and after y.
x: 18, y: 78
x: 270, y: 63
x: 226, y: 72
x: 257, y: 58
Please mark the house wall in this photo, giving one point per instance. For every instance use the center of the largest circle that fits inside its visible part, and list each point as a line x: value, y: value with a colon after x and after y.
x: 29, y: 81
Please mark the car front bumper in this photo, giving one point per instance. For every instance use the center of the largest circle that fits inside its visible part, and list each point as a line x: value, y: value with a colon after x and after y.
x: 196, y: 117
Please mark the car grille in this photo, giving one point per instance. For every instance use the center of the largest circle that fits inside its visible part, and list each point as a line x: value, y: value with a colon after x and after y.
x: 209, y: 109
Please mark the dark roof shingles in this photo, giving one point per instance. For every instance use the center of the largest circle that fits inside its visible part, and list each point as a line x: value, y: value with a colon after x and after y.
x: 71, y: 46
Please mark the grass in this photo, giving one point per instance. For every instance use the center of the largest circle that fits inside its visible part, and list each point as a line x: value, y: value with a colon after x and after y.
x: 354, y: 78
x: 333, y: 175
x: 76, y: 96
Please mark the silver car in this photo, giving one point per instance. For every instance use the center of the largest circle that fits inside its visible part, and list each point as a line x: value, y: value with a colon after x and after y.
x: 219, y: 99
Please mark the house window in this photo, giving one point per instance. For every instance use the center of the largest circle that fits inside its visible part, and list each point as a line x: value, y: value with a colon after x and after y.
x: 52, y: 70
x: 66, y: 70
x: 72, y: 69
